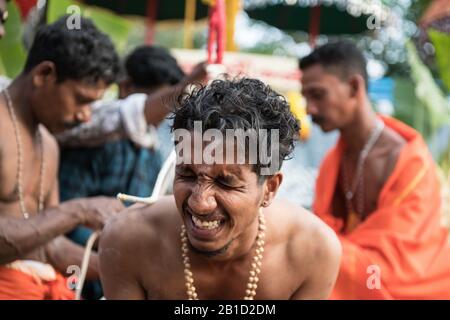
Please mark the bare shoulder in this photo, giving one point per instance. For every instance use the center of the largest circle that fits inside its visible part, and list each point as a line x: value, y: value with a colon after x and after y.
x: 313, y: 250
x: 49, y: 141
x: 139, y: 226
x: 128, y: 245
x: 308, y: 239
x: 392, y: 141
x: 389, y: 147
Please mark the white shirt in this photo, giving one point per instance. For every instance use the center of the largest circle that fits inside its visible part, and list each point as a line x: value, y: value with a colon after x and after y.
x: 113, y: 120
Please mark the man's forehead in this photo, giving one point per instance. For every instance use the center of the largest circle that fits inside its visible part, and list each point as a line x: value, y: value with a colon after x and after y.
x: 92, y: 91
x: 237, y: 170
x: 316, y: 77
x: 315, y: 72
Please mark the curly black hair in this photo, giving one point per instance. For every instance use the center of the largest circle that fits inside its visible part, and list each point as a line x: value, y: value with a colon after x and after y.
x: 150, y: 66
x: 240, y: 104
x: 80, y: 54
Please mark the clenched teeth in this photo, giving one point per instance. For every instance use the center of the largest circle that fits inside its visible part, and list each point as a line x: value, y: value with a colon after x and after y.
x: 206, y: 224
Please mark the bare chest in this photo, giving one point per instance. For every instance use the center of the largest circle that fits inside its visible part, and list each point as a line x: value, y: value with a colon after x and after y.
x: 229, y: 283
x: 365, y: 186
x: 37, y: 171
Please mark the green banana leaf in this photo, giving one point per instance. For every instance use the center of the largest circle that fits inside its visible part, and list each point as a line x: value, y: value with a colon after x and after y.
x: 117, y: 27
x: 409, y: 109
x: 427, y: 91
x: 441, y: 42
x: 12, y: 51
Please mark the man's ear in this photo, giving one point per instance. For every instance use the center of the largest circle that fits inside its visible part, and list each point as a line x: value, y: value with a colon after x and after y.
x: 44, y: 73
x: 271, y: 186
x: 357, y: 85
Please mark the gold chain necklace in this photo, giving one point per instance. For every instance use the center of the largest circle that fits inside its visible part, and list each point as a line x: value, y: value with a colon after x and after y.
x: 23, y: 208
x: 255, y: 270
x: 358, y: 184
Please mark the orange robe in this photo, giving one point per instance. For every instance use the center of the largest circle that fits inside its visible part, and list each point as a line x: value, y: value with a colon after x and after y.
x: 400, y: 251
x: 18, y: 285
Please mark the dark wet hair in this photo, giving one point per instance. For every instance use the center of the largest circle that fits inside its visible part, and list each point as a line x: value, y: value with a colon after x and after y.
x: 341, y: 57
x: 84, y: 54
x: 149, y: 66
x: 240, y: 104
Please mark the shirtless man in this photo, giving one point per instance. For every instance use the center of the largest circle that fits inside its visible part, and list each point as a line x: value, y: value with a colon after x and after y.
x: 65, y: 71
x: 238, y: 240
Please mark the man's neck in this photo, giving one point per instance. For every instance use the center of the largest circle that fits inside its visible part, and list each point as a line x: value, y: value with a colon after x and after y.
x: 356, y: 133
x: 19, y: 91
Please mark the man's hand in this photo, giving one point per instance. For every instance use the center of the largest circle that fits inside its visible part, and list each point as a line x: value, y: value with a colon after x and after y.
x: 94, y: 212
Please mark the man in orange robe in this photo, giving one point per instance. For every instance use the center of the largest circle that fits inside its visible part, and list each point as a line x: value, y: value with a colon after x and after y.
x: 377, y: 188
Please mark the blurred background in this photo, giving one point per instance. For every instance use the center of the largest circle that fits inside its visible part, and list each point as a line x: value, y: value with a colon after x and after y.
x: 406, y: 42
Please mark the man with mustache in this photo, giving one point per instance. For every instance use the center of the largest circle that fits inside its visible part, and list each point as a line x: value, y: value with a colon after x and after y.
x: 66, y: 70
x: 223, y: 235
x: 377, y: 188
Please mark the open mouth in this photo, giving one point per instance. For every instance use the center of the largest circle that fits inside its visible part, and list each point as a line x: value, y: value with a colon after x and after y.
x: 205, y: 228
x: 207, y: 225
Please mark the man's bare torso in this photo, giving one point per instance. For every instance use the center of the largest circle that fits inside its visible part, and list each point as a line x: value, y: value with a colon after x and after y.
x: 379, y: 165
x: 9, y: 198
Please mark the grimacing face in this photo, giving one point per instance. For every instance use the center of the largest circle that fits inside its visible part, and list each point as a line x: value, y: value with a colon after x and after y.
x: 62, y: 105
x: 330, y: 100
x: 227, y: 196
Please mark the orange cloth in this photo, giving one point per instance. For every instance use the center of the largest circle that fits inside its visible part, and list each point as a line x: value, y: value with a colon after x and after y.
x: 403, y: 239
x: 17, y: 285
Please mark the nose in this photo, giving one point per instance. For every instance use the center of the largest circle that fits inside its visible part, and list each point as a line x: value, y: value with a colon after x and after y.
x: 84, y: 115
x: 311, y: 108
x: 202, y: 200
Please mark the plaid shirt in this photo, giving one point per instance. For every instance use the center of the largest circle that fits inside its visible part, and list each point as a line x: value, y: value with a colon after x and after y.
x: 115, y: 167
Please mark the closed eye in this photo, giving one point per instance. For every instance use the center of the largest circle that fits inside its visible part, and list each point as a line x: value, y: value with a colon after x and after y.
x: 224, y: 185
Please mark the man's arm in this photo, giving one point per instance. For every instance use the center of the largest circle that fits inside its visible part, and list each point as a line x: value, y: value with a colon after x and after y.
x: 62, y: 252
x: 324, y: 260
x: 157, y: 106
x: 129, y: 117
x: 19, y: 237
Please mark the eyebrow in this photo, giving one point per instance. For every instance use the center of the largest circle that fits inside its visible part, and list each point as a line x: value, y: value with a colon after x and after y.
x: 83, y: 98
x: 312, y: 89
x: 182, y: 167
x: 225, y: 177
